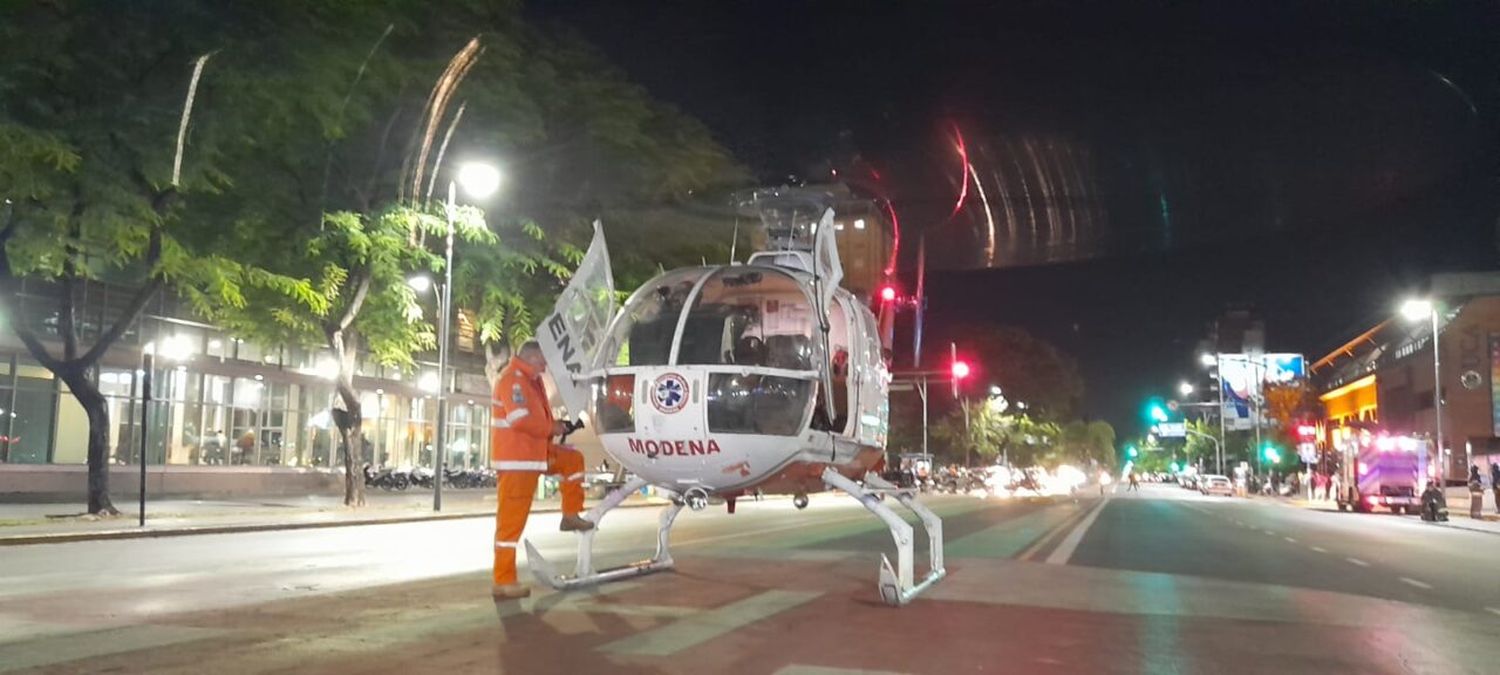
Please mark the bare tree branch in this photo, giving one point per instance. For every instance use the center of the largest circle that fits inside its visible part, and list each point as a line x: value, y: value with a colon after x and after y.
x: 133, y: 308
x: 8, y: 230
x: 361, y: 291
x: 65, y: 326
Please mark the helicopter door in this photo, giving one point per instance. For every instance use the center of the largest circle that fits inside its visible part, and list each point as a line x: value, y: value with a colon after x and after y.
x: 570, y: 336
x: 871, y: 412
x: 843, y: 361
x: 828, y: 271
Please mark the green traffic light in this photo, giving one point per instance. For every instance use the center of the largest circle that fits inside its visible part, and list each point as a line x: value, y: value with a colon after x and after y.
x: 1155, y: 411
x: 1131, y: 452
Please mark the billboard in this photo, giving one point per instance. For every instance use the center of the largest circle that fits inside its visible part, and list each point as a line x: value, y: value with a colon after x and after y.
x: 1242, y: 375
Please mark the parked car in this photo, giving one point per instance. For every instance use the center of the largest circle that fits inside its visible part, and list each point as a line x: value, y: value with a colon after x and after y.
x: 1215, y: 485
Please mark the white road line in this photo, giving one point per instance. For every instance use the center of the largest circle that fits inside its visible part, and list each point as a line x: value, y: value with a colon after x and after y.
x: 1290, y: 540
x: 1064, y: 551
x: 1413, y: 582
x: 1320, y: 549
x: 1357, y: 561
x: 1492, y: 610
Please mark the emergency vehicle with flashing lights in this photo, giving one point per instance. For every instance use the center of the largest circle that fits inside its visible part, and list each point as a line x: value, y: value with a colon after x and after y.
x: 1381, y: 470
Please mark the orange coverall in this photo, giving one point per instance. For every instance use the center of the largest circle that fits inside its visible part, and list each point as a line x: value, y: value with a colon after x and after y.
x: 521, y: 449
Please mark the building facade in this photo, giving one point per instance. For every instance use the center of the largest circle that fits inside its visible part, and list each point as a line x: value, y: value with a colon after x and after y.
x: 226, y: 415
x: 1384, y: 379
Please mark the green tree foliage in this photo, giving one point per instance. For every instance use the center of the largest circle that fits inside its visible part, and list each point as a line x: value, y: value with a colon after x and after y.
x: 98, y: 185
x: 305, y: 196
x: 1026, y: 368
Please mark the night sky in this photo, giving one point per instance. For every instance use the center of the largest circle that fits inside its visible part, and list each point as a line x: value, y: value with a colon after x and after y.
x: 1144, y: 167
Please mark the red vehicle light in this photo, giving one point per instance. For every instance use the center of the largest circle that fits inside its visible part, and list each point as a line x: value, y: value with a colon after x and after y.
x: 1372, y: 500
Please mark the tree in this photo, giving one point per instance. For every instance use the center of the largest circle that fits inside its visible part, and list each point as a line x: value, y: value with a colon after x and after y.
x: 1200, y: 443
x: 590, y: 145
x: 574, y: 139
x: 1101, y: 437
x: 1029, y: 370
x: 94, y: 187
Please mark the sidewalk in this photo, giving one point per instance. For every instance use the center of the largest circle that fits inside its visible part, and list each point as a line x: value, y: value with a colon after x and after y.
x: 57, y: 523
x: 1458, y: 510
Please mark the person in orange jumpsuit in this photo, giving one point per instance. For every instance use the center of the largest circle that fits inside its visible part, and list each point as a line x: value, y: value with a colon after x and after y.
x: 521, y: 450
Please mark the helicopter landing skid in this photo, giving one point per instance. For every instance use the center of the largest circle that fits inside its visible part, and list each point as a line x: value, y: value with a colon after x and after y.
x: 896, y: 585
x: 584, y: 573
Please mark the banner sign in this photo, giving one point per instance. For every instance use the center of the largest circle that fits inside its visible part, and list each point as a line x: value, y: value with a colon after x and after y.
x: 1495, y: 382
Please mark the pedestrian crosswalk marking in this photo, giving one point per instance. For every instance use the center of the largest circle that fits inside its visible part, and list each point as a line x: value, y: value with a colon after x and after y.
x: 709, y: 624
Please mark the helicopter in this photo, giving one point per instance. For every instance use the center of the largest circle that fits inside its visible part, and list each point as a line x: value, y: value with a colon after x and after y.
x: 723, y: 380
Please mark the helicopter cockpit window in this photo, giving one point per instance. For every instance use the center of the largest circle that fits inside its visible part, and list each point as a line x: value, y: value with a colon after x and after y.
x: 751, y: 317
x: 643, y: 334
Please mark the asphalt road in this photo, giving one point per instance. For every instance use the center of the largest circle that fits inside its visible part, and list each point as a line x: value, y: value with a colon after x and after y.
x: 1157, y: 582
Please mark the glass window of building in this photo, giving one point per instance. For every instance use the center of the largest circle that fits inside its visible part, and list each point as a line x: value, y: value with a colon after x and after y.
x: 244, y: 420
x: 216, y: 445
x: 30, y: 415
x: 7, y: 406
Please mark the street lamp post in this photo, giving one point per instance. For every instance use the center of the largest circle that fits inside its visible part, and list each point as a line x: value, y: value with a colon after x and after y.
x: 480, y: 181
x: 1415, y: 310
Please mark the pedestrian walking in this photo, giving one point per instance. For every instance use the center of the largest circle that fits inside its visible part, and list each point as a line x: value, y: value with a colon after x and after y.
x: 1495, y: 481
x: 1476, y: 493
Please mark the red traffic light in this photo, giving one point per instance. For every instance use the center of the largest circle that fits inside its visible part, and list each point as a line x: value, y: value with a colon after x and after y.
x: 1307, y: 431
x: 960, y: 370
x: 888, y: 293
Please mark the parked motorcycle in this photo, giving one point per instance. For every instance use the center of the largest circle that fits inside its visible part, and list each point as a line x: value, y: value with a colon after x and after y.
x: 386, y: 479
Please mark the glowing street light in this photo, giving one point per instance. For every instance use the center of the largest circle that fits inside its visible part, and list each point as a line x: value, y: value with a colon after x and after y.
x: 479, y: 181
x: 1185, y: 389
x: 1416, y: 309
x: 420, y: 283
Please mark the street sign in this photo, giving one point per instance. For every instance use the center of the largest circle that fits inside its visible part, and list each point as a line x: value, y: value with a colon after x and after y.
x: 1172, y: 429
x: 1307, y: 452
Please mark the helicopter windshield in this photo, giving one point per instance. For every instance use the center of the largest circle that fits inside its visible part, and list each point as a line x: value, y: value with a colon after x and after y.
x: 750, y: 316
x: 648, y: 323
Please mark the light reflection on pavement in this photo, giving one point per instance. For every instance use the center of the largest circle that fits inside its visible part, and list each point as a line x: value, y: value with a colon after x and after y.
x: 1157, y: 581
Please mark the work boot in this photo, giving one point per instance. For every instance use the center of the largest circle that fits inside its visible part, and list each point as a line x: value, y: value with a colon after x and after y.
x: 509, y: 591
x: 575, y: 524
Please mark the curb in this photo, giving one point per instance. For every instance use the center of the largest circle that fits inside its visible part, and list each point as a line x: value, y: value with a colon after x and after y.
x: 1450, y: 523
x: 138, y: 533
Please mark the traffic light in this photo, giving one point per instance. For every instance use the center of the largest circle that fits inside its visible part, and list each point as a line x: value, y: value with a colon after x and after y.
x: 1307, y: 432
x: 1155, y: 411
x: 1175, y: 467
x: 888, y: 293
x: 960, y: 370
x: 1270, y: 454
x: 1131, y: 452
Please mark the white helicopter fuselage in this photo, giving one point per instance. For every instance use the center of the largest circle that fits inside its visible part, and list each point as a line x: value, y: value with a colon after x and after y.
x: 721, y: 380
x: 716, y: 379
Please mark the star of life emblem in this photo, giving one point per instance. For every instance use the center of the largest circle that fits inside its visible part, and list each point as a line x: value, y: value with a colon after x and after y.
x: 669, y: 393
